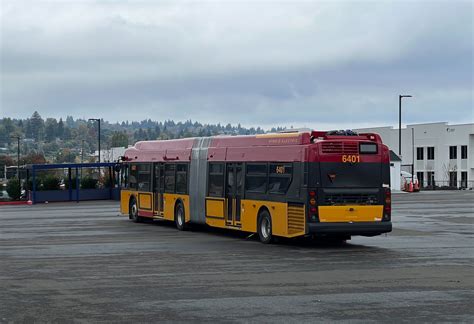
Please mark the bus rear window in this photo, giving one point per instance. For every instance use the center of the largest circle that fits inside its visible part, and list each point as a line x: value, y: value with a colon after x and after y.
x: 368, y: 148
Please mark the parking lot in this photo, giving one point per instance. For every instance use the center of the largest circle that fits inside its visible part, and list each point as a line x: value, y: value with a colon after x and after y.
x: 84, y: 262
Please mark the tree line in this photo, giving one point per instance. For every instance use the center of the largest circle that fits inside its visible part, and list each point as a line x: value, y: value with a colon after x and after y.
x: 74, y: 140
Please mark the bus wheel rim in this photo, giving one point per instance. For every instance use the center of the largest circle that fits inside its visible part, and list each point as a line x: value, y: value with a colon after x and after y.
x: 180, y: 217
x: 265, y: 227
x: 134, y: 210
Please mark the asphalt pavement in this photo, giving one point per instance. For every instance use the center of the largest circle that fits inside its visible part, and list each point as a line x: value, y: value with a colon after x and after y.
x: 82, y: 262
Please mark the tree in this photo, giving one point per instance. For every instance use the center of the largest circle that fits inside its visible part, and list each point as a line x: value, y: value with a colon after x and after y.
x: 36, y: 126
x: 65, y: 156
x: 6, y: 160
x: 33, y: 158
x: 60, y: 129
x: 51, y: 128
x: 13, y: 188
x: 119, y: 139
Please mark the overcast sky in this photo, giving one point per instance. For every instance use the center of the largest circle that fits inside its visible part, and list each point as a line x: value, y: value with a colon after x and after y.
x: 336, y: 64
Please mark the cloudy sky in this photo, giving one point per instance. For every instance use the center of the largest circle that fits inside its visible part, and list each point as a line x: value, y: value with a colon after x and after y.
x: 337, y: 64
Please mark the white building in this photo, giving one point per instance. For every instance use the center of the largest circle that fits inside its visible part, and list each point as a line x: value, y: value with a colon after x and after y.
x: 441, y: 154
x: 110, y: 155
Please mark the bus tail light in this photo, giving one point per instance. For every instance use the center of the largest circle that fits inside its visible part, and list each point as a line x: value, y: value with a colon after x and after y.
x: 387, y: 210
x: 313, y: 209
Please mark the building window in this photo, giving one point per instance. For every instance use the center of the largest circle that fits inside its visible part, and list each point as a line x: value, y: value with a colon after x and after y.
x: 421, y: 180
x: 256, y: 179
x: 144, y: 176
x: 430, y: 178
x: 279, y: 177
x: 453, y: 152
x: 453, y: 178
x: 170, y: 178
x: 419, y: 153
x: 464, y: 152
x: 182, y: 178
x: 464, y: 179
x: 216, y: 180
x: 431, y: 153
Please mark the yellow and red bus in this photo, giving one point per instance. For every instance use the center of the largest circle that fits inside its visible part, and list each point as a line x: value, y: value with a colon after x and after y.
x: 334, y: 184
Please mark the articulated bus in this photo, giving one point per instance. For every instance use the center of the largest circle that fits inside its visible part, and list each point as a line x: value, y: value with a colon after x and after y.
x: 334, y: 184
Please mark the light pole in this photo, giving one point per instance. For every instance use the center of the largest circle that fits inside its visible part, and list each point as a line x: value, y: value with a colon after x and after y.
x: 18, y: 162
x: 400, y: 122
x: 98, y: 122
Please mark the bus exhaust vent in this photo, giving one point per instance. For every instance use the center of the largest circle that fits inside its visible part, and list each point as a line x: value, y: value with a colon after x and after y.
x: 351, y: 199
x: 340, y: 147
x: 296, y: 218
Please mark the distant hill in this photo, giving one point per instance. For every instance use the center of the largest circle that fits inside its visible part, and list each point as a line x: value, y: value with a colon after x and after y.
x: 64, y: 140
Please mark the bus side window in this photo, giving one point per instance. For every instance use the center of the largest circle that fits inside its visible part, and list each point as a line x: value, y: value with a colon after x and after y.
x: 133, y: 174
x: 182, y: 178
x: 216, y: 180
x: 144, y: 176
x: 256, y: 177
x: 280, y: 177
x: 170, y: 178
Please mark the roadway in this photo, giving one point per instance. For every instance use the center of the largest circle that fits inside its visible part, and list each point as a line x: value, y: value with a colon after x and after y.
x: 69, y: 262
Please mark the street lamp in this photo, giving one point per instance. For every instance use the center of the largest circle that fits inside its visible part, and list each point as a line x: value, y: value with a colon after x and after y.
x: 18, y: 161
x: 98, y: 121
x: 400, y: 122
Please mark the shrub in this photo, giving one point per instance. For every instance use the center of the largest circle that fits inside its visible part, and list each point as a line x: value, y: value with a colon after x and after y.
x: 51, y: 182
x: 37, y: 181
x: 88, y: 183
x: 105, y: 181
x: 13, y: 189
x: 73, y: 183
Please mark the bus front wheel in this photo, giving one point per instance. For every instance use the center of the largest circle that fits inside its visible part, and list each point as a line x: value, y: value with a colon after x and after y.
x: 133, y: 211
x: 179, y: 217
x: 264, y: 227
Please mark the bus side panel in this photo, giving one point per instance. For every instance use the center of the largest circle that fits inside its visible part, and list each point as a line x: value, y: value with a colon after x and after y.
x: 215, y: 212
x: 170, y: 203
x: 145, y: 201
x: 249, y: 214
x: 124, y: 201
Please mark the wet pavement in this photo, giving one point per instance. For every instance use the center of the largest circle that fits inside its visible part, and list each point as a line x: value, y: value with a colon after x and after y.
x: 85, y: 263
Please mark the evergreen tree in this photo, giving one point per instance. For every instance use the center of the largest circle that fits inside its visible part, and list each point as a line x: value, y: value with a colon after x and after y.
x: 119, y: 139
x: 60, y: 129
x: 51, y: 127
x: 36, y: 126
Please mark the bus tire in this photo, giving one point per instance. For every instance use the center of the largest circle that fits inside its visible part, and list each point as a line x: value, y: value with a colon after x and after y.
x: 133, y: 211
x: 180, y: 217
x: 264, y: 227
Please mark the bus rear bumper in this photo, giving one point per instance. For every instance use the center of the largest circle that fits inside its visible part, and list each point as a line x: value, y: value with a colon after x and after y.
x: 359, y: 228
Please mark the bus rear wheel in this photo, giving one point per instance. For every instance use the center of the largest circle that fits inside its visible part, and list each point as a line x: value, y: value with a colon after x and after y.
x: 133, y: 211
x: 179, y: 217
x: 264, y: 227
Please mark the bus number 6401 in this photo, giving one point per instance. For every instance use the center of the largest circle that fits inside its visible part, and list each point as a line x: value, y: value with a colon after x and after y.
x: 351, y: 158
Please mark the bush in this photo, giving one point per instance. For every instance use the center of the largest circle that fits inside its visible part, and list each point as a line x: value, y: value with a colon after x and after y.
x: 51, y: 182
x: 13, y: 189
x: 73, y: 183
x: 105, y: 181
x: 88, y: 183
x: 38, y: 182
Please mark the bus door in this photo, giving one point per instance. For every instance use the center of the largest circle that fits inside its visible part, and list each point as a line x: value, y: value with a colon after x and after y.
x: 234, y: 192
x: 158, y: 188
